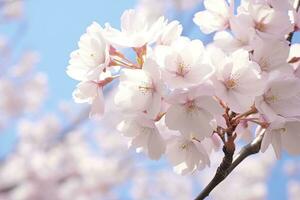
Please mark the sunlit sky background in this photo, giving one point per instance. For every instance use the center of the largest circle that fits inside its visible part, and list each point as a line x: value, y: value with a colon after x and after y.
x: 53, y: 28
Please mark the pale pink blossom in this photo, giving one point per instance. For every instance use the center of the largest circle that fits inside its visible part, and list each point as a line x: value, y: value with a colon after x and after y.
x: 170, y: 33
x: 187, y: 154
x: 281, y: 97
x: 192, y: 113
x: 271, y: 55
x: 237, y: 80
x: 136, y: 31
x: 263, y: 20
x: 182, y: 63
x: 144, y: 136
x: 282, y: 134
x: 215, y: 17
x: 141, y: 90
x: 92, y: 57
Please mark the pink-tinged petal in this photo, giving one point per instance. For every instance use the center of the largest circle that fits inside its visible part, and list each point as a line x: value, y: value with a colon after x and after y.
x: 209, y: 22
x: 85, y: 92
x: 276, y: 143
x: 267, y: 139
x: 217, y: 6
x: 97, y: 107
x: 156, y: 145
x: 291, y: 138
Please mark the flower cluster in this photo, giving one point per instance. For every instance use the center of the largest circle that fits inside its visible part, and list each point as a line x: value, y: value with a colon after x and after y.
x: 183, y: 99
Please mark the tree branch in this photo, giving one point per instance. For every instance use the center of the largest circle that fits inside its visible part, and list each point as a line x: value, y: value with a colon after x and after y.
x: 226, y: 167
x: 220, y: 175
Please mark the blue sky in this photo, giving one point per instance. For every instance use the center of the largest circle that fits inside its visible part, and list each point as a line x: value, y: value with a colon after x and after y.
x: 54, y: 27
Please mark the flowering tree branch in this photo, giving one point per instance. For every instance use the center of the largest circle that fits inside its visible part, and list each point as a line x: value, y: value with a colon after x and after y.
x: 170, y: 83
x: 228, y: 164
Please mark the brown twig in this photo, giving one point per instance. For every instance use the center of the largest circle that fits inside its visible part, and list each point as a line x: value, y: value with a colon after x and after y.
x: 220, y: 175
x: 228, y: 165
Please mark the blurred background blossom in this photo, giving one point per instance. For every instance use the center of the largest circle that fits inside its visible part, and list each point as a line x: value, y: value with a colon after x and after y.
x: 48, y: 148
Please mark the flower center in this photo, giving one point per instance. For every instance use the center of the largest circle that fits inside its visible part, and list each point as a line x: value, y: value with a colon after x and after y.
x: 191, y: 106
x: 146, y: 88
x: 184, y: 146
x: 230, y: 83
x: 260, y: 26
x: 270, y: 98
x: 182, y: 69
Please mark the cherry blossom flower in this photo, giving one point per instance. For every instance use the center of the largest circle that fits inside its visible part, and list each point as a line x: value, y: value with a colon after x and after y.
x: 92, y: 57
x: 185, y: 4
x: 271, y: 55
x: 141, y: 90
x: 282, y: 134
x: 182, y: 63
x: 192, y: 113
x: 187, y: 154
x: 170, y: 33
x: 92, y: 92
x: 281, y: 97
x: 136, y: 31
x: 237, y: 80
x: 151, y: 9
x: 144, y: 136
x: 264, y: 20
x: 87, y: 64
x: 215, y: 17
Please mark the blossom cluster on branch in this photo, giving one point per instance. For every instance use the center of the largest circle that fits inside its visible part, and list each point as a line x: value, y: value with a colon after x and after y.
x: 183, y: 99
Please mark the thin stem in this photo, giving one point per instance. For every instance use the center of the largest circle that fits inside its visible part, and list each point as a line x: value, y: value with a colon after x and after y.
x: 220, y: 175
x: 249, y: 149
x: 253, y: 110
x: 228, y: 165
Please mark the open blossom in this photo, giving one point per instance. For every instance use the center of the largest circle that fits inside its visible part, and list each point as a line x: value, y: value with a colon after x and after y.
x: 191, y: 112
x: 92, y: 92
x: 151, y: 9
x: 92, y: 57
x: 264, y: 20
x: 215, y: 17
x: 141, y: 90
x: 237, y: 80
x: 144, y: 136
x: 182, y: 63
x: 271, y: 54
x: 170, y: 33
x: 239, y: 38
x: 282, y: 134
x: 87, y: 65
x: 187, y: 154
x: 281, y: 97
x: 136, y: 31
